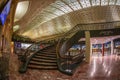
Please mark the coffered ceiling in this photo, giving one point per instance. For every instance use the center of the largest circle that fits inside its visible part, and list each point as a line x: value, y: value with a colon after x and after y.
x: 50, y: 18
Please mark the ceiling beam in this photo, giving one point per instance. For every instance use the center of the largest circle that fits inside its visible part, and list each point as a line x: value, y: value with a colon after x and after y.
x: 115, y: 2
x: 67, y: 5
x: 90, y: 2
x: 80, y: 3
x: 50, y: 12
x: 57, y: 8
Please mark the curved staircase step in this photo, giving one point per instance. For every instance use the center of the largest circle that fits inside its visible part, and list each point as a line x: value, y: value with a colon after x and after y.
x: 45, y: 60
x: 45, y: 57
x: 42, y: 63
x: 53, y: 53
x: 42, y: 67
x: 48, y: 52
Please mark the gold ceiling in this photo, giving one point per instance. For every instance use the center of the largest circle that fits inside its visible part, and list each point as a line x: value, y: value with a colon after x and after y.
x: 45, y: 18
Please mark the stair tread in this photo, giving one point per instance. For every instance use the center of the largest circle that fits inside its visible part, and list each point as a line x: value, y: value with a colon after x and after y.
x: 37, y: 66
x: 36, y: 59
x: 43, y: 63
x: 46, y: 52
x: 51, y: 54
x: 45, y: 57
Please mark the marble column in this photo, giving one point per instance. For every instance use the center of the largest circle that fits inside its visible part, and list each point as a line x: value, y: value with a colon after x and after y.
x: 5, y: 41
x: 103, y: 49
x: 112, y: 47
x: 12, y: 47
x: 91, y: 52
x: 87, y: 42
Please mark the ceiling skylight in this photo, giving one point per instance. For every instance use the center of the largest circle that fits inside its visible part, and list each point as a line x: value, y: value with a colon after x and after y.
x: 15, y: 28
x: 74, y: 4
x: 104, y: 2
x: 85, y: 3
x: 61, y: 7
x: 118, y: 2
x: 112, y: 2
x: 95, y: 2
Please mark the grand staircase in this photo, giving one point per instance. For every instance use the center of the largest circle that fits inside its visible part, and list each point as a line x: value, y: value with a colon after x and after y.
x: 45, y: 59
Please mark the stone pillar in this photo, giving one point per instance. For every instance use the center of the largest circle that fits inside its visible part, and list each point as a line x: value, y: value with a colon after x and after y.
x: 87, y: 39
x: 91, y: 52
x: 5, y: 39
x: 103, y: 49
x: 112, y: 47
x: 12, y: 47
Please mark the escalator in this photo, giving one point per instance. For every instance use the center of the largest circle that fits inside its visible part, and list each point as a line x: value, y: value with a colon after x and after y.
x: 67, y: 64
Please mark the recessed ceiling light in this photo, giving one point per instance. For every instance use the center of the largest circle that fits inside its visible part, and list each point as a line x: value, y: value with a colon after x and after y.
x: 15, y: 28
x: 21, y: 9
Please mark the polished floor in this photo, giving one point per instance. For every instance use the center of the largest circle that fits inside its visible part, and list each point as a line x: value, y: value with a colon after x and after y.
x: 99, y: 68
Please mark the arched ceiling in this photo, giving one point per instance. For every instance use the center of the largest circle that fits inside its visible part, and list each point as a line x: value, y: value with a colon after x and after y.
x: 50, y: 18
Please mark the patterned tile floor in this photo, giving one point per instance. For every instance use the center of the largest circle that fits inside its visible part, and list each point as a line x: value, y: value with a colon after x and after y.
x: 102, y: 68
